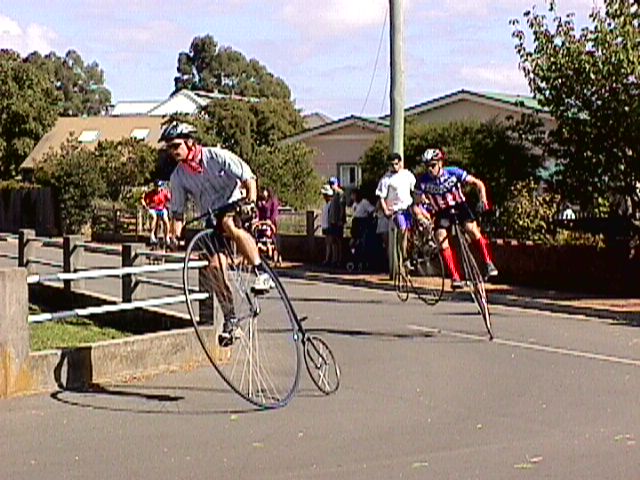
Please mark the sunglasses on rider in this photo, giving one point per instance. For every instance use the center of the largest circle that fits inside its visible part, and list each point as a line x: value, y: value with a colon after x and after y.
x: 432, y: 165
x: 174, y: 145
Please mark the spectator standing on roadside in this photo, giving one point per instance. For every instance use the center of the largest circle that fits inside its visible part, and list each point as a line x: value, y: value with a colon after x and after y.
x: 327, y: 194
x: 267, y: 207
x: 382, y: 229
x: 362, y: 211
x: 337, y: 219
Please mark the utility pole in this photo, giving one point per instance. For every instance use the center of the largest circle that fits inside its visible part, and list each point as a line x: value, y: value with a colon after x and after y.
x: 396, y: 35
x: 396, y: 20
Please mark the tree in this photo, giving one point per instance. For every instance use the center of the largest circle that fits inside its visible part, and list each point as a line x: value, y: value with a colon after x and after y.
x: 498, y: 153
x: 232, y: 124
x: 124, y: 164
x: 256, y: 114
x: 243, y: 126
x: 288, y: 169
x: 81, y: 176
x: 27, y: 109
x: 275, y: 119
x: 81, y: 85
x: 207, y: 66
x: 76, y: 181
x: 590, y: 82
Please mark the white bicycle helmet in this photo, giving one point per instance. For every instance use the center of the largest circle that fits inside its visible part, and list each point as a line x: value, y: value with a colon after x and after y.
x: 433, y: 155
x: 177, y: 130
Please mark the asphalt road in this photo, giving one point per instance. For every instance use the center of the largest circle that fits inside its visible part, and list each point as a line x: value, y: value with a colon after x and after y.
x: 423, y: 395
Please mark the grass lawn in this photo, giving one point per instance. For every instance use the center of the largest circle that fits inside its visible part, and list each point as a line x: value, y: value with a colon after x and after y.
x: 67, y: 333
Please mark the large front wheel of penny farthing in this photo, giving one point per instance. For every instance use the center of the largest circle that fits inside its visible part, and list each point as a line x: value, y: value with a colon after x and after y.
x: 475, y: 282
x: 262, y: 363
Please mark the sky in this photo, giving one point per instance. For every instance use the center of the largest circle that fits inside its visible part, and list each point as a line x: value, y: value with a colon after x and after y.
x: 325, y: 50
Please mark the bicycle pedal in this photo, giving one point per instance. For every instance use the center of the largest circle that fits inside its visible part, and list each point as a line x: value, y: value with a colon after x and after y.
x: 303, y: 319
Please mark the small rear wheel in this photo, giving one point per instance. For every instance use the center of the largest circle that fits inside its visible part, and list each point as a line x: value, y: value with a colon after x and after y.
x: 321, y: 364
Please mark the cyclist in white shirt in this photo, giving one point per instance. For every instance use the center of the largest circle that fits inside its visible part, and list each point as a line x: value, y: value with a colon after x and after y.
x: 396, y: 194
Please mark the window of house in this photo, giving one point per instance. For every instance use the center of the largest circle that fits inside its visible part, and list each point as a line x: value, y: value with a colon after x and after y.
x: 88, y: 136
x: 140, y: 133
x: 350, y: 175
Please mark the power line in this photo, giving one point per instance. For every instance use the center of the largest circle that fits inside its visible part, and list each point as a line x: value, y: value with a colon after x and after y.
x: 375, y: 66
x: 384, y: 95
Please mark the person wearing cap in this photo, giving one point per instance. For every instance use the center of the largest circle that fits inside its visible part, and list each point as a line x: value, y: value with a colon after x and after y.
x: 156, y: 201
x: 337, y: 218
x: 327, y: 195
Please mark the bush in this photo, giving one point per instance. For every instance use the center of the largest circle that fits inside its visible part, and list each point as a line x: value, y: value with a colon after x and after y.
x: 500, y: 154
x: 80, y: 177
x: 288, y: 169
x: 528, y: 213
x: 72, y: 174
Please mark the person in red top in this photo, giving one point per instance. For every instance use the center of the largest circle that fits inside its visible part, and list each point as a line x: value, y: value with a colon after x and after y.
x: 156, y: 201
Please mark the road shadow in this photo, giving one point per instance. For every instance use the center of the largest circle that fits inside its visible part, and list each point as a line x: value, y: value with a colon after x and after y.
x: 73, y: 374
x: 145, y: 400
x: 520, y: 297
x: 383, y: 335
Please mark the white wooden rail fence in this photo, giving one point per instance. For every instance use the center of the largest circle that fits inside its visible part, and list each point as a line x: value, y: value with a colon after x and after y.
x: 73, y: 271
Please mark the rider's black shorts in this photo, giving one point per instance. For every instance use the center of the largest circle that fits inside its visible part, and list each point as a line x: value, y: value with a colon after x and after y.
x: 217, y: 236
x: 445, y: 218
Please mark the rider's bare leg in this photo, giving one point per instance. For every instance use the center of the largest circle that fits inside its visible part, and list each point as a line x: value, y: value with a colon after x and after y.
x: 154, y: 226
x: 243, y: 240
x: 215, y: 271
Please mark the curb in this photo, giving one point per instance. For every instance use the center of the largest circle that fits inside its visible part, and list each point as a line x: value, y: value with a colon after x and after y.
x: 81, y: 368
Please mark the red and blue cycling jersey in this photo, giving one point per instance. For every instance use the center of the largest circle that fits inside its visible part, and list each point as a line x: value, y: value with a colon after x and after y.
x: 445, y: 190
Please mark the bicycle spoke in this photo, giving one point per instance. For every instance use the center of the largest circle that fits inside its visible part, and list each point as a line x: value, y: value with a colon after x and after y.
x: 262, y: 363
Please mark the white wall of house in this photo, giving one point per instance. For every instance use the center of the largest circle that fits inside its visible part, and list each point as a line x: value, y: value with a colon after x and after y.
x: 176, y: 104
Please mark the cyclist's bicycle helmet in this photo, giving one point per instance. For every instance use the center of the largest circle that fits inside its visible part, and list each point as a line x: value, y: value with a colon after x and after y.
x: 177, y: 130
x: 433, y: 155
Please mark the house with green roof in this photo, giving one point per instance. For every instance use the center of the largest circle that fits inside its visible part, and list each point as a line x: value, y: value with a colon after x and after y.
x: 481, y: 106
x: 340, y: 144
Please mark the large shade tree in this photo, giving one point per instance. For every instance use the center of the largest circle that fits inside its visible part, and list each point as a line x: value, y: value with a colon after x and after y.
x: 589, y: 80
x: 214, y: 68
x: 28, y: 109
x: 80, y: 84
